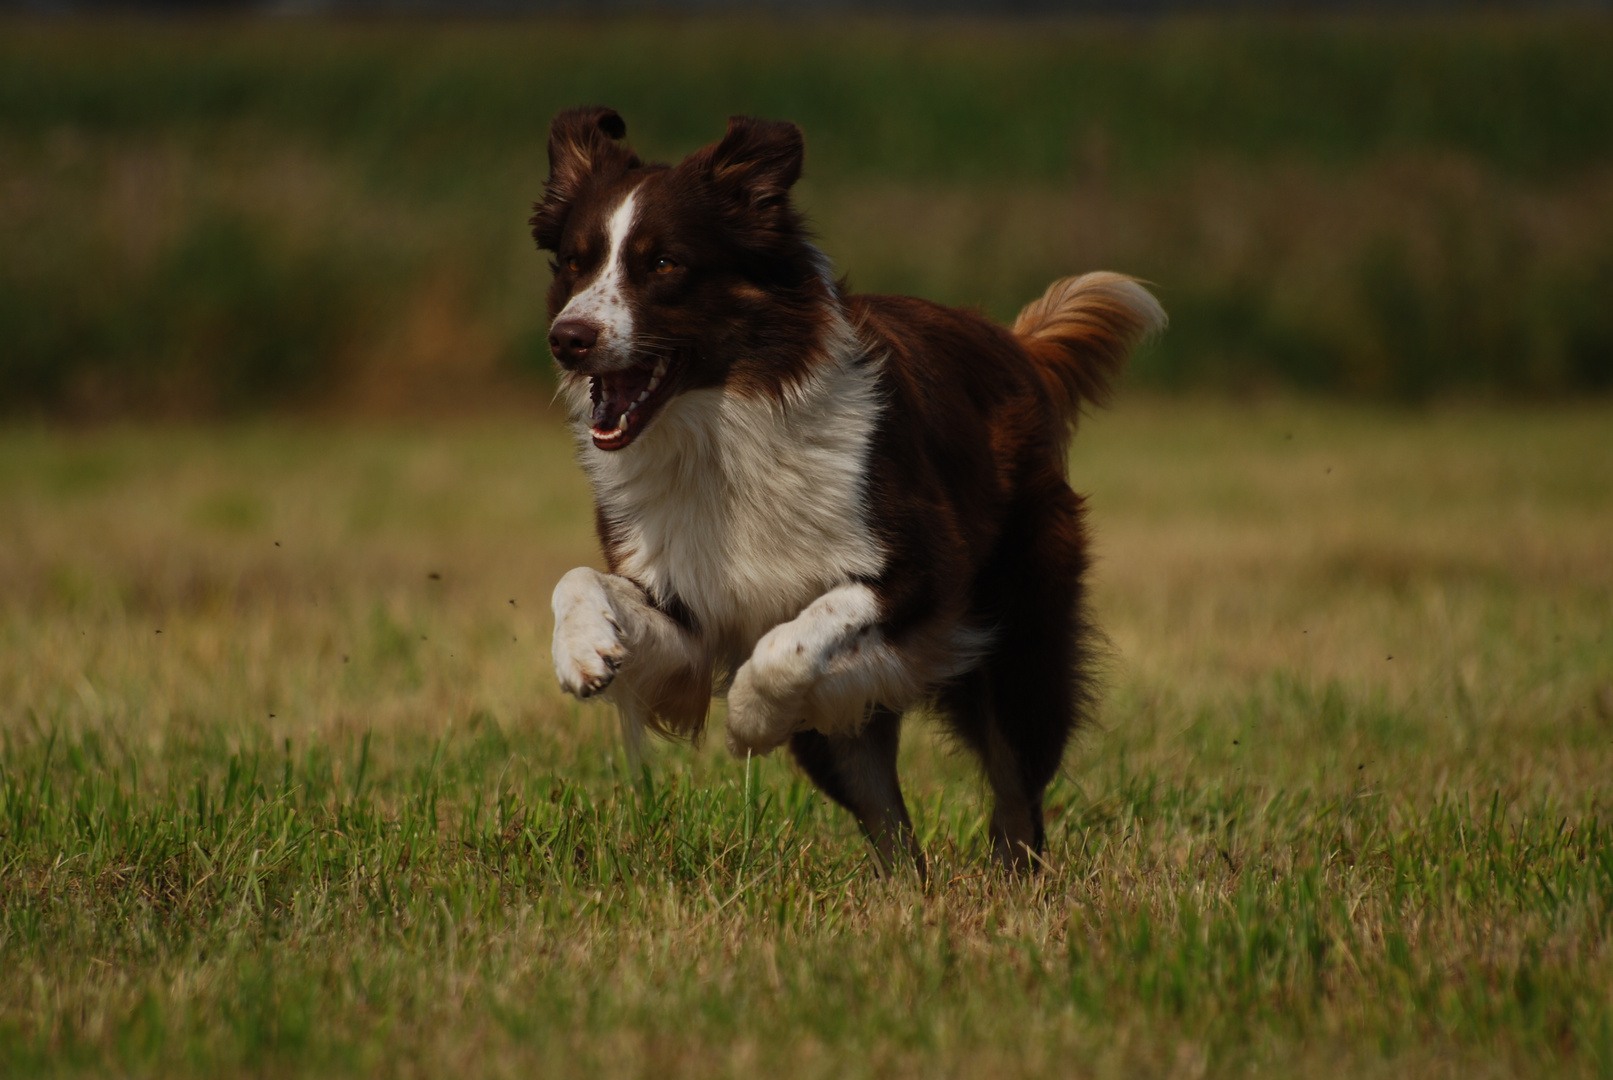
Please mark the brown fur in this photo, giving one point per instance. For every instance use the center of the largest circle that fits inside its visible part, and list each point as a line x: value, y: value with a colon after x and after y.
x: 967, y: 495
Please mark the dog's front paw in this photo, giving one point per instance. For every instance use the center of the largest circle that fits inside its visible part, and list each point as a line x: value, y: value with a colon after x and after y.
x: 588, y: 651
x: 765, y: 702
x: 588, y: 645
x: 756, y: 725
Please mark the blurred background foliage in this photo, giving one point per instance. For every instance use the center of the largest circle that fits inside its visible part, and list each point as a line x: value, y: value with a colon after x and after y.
x: 220, y: 217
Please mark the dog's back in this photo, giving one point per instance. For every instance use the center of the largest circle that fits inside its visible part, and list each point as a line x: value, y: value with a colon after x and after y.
x: 978, y: 416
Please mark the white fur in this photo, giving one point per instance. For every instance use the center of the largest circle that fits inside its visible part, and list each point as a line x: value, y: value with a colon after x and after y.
x: 601, y: 622
x: 603, y: 303
x: 752, y: 511
x: 748, y: 508
x: 820, y: 670
x: 588, y: 645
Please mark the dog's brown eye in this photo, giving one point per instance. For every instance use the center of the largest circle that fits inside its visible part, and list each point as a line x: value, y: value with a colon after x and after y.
x: 663, y: 264
x: 573, y: 263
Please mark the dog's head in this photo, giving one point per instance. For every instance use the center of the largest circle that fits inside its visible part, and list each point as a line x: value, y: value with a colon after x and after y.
x: 669, y: 279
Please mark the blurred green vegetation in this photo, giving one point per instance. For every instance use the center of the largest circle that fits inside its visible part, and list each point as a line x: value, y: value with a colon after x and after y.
x: 226, y: 216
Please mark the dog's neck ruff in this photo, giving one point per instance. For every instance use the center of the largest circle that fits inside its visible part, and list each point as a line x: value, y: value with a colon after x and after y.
x: 747, y: 508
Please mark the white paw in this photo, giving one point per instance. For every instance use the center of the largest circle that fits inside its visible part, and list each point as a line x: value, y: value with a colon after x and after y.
x: 766, y: 702
x: 588, y: 650
x: 755, y: 724
x: 588, y: 645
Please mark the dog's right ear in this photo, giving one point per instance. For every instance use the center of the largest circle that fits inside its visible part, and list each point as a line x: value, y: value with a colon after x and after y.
x: 582, y: 143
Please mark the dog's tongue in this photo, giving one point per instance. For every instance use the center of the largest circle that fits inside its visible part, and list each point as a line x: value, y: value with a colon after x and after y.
x: 612, y: 394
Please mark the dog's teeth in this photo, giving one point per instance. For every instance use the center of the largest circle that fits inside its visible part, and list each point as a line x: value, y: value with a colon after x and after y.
x: 655, y: 380
x: 621, y: 424
x: 645, y: 394
x: 660, y: 369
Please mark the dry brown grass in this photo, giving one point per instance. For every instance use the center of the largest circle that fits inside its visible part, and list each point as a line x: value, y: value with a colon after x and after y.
x: 1234, y: 542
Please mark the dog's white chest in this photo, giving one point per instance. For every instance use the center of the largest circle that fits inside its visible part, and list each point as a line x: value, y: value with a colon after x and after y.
x: 747, y: 509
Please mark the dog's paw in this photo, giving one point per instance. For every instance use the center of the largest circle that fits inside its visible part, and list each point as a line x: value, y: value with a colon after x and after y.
x: 588, y: 651
x: 766, y: 700
x: 755, y: 725
x: 588, y: 645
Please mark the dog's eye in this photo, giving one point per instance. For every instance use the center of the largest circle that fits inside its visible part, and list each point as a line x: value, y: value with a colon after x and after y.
x: 663, y: 264
x: 573, y: 263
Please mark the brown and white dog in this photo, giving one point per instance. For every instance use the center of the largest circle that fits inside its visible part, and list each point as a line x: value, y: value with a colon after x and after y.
x: 832, y: 508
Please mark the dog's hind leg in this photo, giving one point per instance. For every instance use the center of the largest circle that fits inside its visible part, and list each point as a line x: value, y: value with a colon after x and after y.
x: 859, y: 772
x: 1017, y: 833
x: 1019, y: 709
x: 1016, y: 813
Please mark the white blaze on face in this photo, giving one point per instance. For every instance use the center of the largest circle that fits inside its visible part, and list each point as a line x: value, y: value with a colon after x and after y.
x: 603, y: 303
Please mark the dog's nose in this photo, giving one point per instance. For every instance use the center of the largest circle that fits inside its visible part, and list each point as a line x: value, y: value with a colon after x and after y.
x: 570, y: 340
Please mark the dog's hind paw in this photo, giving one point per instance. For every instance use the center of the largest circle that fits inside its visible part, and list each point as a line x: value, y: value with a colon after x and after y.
x: 588, y: 645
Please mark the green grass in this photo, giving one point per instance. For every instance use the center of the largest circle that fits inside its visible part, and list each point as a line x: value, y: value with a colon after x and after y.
x: 1346, y: 812
x: 229, y: 217
x: 975, y: 100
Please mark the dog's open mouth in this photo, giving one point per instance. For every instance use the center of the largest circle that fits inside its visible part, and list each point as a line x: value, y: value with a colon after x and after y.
x: 626, y: 400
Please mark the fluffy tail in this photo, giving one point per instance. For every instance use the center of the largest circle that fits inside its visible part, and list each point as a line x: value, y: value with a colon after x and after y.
x: 1082, y: 329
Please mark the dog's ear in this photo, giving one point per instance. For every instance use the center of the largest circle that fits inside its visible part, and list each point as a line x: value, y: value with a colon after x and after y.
x: 582, y: 143
x: 757, y: 162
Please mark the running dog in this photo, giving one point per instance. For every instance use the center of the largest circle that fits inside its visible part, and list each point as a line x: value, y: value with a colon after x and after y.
x: 828, y: 507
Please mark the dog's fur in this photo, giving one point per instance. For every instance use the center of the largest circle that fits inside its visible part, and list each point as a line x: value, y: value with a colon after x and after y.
x: 830, y: 507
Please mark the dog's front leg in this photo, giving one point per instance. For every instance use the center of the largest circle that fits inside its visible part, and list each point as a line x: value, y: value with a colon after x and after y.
x: 821, y: 670
x: 610, y: 640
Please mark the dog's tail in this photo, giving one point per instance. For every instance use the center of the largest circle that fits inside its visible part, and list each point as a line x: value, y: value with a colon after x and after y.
x: 1082, y: 329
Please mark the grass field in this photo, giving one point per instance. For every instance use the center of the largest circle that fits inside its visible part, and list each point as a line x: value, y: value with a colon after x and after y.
x: 286, y: 785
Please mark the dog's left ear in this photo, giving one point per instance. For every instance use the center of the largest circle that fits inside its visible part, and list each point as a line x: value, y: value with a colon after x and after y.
x: 582, y: 143
x: 757, y: 162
